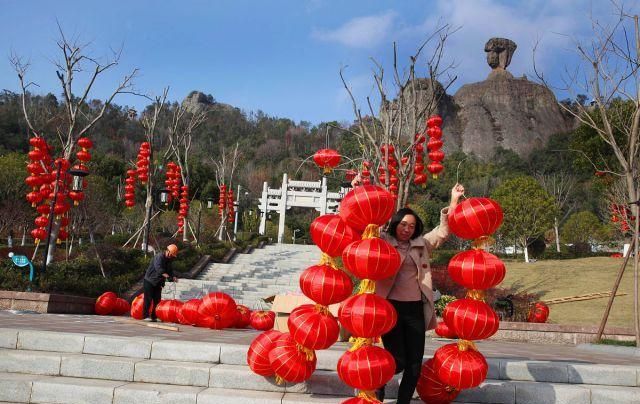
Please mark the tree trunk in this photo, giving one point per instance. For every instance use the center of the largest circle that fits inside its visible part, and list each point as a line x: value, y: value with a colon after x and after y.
x: 51, y: 249
x: 184, y: 229
x: 147, y: 219
x: 24, y: 236
x: 555, y: 227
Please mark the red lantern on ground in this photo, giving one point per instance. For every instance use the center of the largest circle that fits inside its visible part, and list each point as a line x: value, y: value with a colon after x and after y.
x: 188, y: 313
x: 105, y: 303
x: 361, y: 400
x: 471, y: 319
x: 243, y: 318
x: 460, y: 368
x: 431, y: 389
x: 263, y: 320
x: 331, y: 234
x: 475, y: 217
x: 327, y: 159
x: 539, y: 313
x: 367, y: 204
x: 313, y: 327
x: 367, y: 315
x: 372, y: 258
x: 325, y: 285
x: 444, y: 331
x: 137, y: 306
x: 367, y: 368
x: 476, y: 269
x: 258, y: 354
x: 220, y: 307
x: 168, y: 310
x: 121, y: 307
x: 291, y: 361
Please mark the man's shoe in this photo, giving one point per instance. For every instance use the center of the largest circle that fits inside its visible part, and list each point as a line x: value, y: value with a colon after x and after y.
x: 150, y: 320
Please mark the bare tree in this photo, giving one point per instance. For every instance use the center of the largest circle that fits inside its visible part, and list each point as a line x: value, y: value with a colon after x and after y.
x: 225, y: 170
x: 403, y: 117
x: 74, y: 66
x: 560, y: 186
x: 609, y: 74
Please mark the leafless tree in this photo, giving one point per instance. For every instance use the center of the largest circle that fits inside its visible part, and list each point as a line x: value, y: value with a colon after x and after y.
x: 225, y: 169
x: 74, y: 66
x: 609, y: 72
x: 560, y: 186
x: 403, y: 117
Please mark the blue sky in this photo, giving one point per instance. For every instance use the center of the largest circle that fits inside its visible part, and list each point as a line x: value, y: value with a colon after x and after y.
x: 283, y: 57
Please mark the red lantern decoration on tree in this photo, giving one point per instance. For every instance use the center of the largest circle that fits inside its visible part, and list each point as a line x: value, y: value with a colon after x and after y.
x: 367, y: 315
x: 327, y: 159
x: 258, y: 354
x: 188, y: 313
x: 475, y: 217
x: 105, y: 303
x: 539, y: 313
x: 291, y: 361
x: 331, y: 234
x: 366, y: 368
x: 220, y: 308
x: 460, y: 367
x: 372, y: 258
x: 325, y: 285
x: 434, y: 121
x: 262, y: 319
x: 313, y: 327
x: 367, y: 204
x: 431, y: 389
x: 471, y: 319
x: 476, y: 269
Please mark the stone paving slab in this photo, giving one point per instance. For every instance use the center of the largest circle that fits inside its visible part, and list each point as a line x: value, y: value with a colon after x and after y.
x: 147, y: 393
x: 71, y: 390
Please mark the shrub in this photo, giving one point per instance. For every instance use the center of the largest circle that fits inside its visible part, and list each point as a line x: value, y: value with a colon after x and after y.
x: 441, y: 303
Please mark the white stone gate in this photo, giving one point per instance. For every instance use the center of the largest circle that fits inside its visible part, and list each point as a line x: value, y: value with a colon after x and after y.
x: 305, y: 194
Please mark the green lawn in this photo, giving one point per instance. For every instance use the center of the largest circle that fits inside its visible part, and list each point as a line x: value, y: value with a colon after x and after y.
x: 563, y: 278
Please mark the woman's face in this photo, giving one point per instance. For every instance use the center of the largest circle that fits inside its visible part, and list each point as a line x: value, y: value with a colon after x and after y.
x: 406, y: 228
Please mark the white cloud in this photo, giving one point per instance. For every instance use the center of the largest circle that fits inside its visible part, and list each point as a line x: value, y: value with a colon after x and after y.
x: 360, y: 32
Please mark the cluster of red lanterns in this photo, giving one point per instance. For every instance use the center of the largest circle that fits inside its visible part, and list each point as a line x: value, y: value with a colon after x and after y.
x: 622, y: 214
x: 129, y: 189
x: 388, y: 157
x: 45, y: 174
x: 458, y: 366
x: 109, y: 303
x: 183, y: 212
x: 365, y: 173
x: 142, y: 164
x: 327, y: 159
x: 434, y: 131
x: 366, y: 366
x: 173, y: 180
x: 226, y: 203
x: 419, y: 176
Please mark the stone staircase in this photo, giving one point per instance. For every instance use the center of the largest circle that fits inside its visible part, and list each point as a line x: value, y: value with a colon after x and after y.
x: 249, y: 278
x: 57, y: 367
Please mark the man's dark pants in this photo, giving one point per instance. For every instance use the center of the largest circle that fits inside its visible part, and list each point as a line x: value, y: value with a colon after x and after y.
x: 151, y: 294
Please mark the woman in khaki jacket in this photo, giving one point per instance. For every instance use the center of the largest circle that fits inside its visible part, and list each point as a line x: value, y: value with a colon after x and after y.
x: 410, y: 291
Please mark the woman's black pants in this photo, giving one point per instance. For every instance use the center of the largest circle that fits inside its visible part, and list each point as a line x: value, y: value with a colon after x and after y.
x: 151, y: 294
x: 405, y: 341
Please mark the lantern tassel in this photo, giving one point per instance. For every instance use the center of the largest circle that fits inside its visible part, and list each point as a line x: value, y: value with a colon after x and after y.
x: 368, y: 395
x: 309, y: 353
x: 327, y: 170
x: 476, y: 294
x: 321, y: 309
x: 371, y: 231
x: 359, y: 342
x: 366, y: 286
x: 483, y: 243
x: 465, y: 345
x: 279, y: 380
x: 325, y: 259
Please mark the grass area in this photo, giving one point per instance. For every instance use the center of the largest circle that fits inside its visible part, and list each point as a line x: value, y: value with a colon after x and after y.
x: 562, y: 278
x: 617, y: 343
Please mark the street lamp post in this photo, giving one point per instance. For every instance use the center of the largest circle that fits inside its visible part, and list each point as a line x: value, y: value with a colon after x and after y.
x: 294, y: 235
x: 209, y: 207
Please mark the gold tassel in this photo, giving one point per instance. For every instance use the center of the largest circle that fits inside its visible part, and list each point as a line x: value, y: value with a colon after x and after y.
x: 476, y: 294
x: 368, y: 395
x: 465, y: 345
x: 328, y: 170
x: 371, y: 231
x: 321, y: 309
x: 359, y: 342
x: 366, y: 286
x: 279, y: 380
x: 325, y: 259
x: 308, y: 352
x: 483, y: 243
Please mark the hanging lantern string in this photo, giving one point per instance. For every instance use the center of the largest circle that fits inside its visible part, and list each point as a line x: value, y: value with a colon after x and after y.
x: 465, y: 345
x: 483, y: 243
x: 325, y: 259
x: 368, y: 395
x: 371, y: 231
x: 476, y: 294
x: 458, y: 174
x: 359, y: 342
x: 366, y: 286
x: 309, y: 353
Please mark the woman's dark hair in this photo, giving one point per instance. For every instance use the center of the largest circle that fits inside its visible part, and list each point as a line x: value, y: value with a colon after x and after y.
x: 397, y: 218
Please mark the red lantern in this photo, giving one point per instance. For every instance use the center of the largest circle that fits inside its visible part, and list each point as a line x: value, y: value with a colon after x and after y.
x: 539, y: 313
x: 434, y: 144
x: 327, y: 159
x: 325, y: 285
x: 258, y: 354
x: 41, y: 221
x: 367, y: 204
x: 43, y: 209
x: 243, y: 318
x: 105, y: 303
x: 137, y: 306
x: 476, y: 269
x: 34, y: 198
x: 129, y: 203
x: 460, y: 368
x: 85, y: 143
x: 350, y: 175
x: 83, y: 156
x: 290, y: 361
x: 62, y: 235
x: 420, y: 179
x: 76, y: 197
x: 434, y: 120
x: 188, y: 313
x: 431, y: 389
x: 419, y: 138
x: 33, y: 181
x: 144, y: 177
x: 313, y: 327
x: 435, y: 168
x: 35, y: 155
x: 384, y: 147
x: 367, y: 315
x: 35, y: 168
x: 220, y: 307
x: 475, y: 217
x: 361, y: 400
x: 436, y: 155
x: 263, y: 320
x: 121, y: 307
x: 434, y: 132
x: 471, y: 319
x: 39, y: 234
x: 444, y: 331
x: 168, y: 310
x: 372, y: 258
x: 331, y: 234
x: 367, y: 368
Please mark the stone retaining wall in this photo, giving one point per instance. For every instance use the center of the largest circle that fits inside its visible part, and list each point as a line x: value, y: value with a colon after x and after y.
x: 46, y: 302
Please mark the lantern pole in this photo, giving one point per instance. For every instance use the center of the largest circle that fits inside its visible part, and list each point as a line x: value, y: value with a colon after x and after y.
x: 51, y: 216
